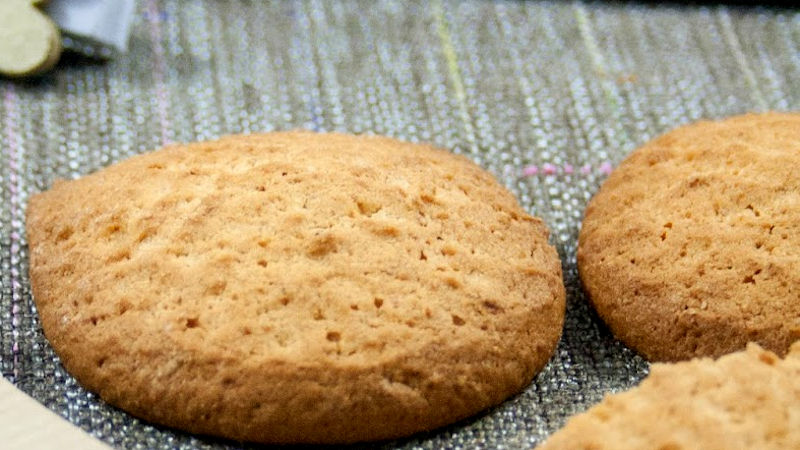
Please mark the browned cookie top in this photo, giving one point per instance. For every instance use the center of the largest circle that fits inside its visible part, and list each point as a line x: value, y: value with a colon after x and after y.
x: 295, y: 287
x: 691, y: 246
x: 746, y: 400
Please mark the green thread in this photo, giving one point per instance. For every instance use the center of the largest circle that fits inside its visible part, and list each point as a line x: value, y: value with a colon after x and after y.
x: 452, y: 66
x: 741, y: 59
x: 598, y: 61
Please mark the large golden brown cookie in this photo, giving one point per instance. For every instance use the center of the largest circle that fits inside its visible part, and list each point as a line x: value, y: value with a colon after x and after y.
x: 746, y: 400
x: 295, y: 287
x: 691, y: 246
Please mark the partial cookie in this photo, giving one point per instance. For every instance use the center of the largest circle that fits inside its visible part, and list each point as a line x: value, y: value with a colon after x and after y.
x: 295, y: 287
x: 30, y: 43
x: 745, y: 400
x: 690, y: 247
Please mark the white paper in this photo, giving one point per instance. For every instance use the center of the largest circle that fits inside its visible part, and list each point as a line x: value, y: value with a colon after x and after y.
x: 26, y: 424
x: 105, y: 21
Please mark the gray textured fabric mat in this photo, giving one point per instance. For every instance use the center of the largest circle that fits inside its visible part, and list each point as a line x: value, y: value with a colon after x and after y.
x: 547, y: 95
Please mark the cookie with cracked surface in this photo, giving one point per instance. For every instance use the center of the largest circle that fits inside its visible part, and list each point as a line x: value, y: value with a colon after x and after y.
x: 690, y: 246
x: 295, y: 287
x: 747, y: 399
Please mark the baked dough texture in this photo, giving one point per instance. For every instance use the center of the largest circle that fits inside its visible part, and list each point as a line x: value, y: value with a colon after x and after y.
x: 746, y: 400
x: 690, y: 248
x: 295, y: 287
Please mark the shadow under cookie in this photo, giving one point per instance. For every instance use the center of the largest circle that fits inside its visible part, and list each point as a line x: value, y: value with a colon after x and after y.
x: 295, y: 287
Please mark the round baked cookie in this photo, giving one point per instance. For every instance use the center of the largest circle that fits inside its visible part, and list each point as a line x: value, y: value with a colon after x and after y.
x: 295, y: 287
x: 690, y: 248
x: 748, y: 399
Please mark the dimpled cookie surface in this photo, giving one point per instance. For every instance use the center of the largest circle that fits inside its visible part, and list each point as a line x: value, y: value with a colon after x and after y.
x: 295, y: 287
x: 690, y: 246
x: 746, y: 400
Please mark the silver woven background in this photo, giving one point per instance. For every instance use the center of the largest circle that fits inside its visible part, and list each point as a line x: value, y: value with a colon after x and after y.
x: 546, y: 95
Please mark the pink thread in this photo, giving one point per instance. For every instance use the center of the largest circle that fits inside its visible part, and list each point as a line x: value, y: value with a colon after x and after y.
x: 604, y: 168
x: 530, y: 171
x: 10, y: 125
x: 160, y: 69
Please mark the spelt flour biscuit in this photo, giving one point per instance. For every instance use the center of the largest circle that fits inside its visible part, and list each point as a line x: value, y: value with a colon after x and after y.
x: 744, y: 400
x: 690, y: 247
x: 295, y: 287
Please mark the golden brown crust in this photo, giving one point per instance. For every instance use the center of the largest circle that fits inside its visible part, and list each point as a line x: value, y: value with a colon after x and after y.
x: 690, y: 247
x: 295, y: 287
x: 748, y: 399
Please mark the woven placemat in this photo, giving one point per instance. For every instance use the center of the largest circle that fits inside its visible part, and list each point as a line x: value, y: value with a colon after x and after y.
x: 549, y: 96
